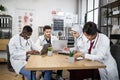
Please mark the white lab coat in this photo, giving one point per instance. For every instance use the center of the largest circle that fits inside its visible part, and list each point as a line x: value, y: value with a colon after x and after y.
x: 18, y: 47
x: 41, y: 41
x: 101, y: 52
x: 78, y: 40
x: 77, y: 43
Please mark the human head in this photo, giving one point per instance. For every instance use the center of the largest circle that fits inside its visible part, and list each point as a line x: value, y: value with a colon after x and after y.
x: 26, y: 32
x: 90, y: 30
x: 47, y: 31
x: 76, y: 30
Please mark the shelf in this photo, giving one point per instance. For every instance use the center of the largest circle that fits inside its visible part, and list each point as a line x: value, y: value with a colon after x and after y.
x: 5, y: 16
x: 115, y: 36
x: 3, y: 43
x: 115, y: 16
x: 5, y: 27
x: 110, y: 16
x: 106, y: 25
x: 3, y: 60
x: 112, y: 4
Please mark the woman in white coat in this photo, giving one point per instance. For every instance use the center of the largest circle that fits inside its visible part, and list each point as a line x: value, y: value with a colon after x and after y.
x: 78, y: 37
x: 100, y: 51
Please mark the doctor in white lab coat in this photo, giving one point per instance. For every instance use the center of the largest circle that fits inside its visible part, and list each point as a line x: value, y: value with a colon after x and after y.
x: 20, y: 46
x: 100, y: 51
x: 47, y: 37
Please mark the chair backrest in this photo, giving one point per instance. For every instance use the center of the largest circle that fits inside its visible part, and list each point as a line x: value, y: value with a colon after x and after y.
x: 115, y: 51
x: 10, y: 68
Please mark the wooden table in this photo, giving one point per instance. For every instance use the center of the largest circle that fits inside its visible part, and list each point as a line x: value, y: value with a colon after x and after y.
x: 59, y: 62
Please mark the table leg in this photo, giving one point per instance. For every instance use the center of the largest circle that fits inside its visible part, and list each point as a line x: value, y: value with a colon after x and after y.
x: 32, y: 73
x: 93, y: 74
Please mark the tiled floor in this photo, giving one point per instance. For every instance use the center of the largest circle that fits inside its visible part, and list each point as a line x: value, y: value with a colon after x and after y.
x: 6, y: 75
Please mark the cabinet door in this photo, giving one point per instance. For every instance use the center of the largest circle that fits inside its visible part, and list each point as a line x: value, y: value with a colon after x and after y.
x: 3, y: 43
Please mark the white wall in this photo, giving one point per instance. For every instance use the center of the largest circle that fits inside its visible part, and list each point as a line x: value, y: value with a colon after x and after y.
x: 43, y: 9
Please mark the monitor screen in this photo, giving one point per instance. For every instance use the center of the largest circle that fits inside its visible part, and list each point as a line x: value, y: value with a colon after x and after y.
x: 58, y: 24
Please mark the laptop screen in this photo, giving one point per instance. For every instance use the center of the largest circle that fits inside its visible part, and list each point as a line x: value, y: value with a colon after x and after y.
x: 59, y: 44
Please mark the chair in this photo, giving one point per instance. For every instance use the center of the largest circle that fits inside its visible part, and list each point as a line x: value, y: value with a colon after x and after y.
x: 9, y: 66
x: 115, y: 51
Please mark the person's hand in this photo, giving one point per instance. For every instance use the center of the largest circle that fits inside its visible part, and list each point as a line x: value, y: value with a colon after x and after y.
x: 66, y: 48
x: 33, y: 52
x: 79, y: 54
x: 36, y: 52
x: 29, y: 52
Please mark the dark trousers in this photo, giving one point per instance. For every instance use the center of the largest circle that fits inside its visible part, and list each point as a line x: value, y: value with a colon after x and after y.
x: 83, y: 74
x: 59, y: 72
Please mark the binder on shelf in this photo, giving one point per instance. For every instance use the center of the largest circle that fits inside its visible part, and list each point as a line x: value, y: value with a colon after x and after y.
x: 1, y: 22
x: 5, y: 26
x: 7, y: 22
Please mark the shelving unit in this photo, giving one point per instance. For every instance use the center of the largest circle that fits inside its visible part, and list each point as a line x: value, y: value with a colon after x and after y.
x: 109, y: 24
x: 111, y: 6
x: 5, y: 31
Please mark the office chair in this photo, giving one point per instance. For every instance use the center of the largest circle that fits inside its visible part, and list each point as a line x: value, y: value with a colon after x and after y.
x: 9, y: 66
x: 115, y: 51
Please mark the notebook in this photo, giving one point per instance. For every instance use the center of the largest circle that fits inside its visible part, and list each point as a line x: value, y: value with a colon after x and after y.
x: 59, y: 45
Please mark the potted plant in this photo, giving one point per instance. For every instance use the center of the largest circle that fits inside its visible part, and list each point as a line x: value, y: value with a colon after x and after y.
x: 71, y: 58
x: 71, y: 54
x: 49, y: 51
x: 2, y: 9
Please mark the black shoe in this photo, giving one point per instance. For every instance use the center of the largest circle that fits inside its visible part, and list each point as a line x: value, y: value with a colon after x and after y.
x: 53, y: 79
x: 59, y: 78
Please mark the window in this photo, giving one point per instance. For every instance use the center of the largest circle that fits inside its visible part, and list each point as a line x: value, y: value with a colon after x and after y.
x: 92, y: 11
x: 90, y: 5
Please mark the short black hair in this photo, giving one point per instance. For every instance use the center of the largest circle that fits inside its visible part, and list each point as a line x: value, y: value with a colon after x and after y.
x: 90, y: 28
x: 27, y: 28
x: 46, y: 27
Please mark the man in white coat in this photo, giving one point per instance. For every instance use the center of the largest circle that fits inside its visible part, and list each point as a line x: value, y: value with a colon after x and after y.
x: 47, y: 38
x: 99, y: 50
x: 20, y: 46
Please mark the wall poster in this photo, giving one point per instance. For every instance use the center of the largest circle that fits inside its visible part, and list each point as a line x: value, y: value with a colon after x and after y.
x: 23, y: 17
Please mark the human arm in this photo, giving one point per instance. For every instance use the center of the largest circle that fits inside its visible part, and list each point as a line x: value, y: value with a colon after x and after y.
x: 79, y: 54
x: 32, y: 52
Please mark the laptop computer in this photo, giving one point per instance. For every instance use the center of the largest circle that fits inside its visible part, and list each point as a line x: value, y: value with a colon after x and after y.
x: 59, y: 45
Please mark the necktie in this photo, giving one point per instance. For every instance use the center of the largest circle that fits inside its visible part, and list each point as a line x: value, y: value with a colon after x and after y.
x: 91, y: 44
